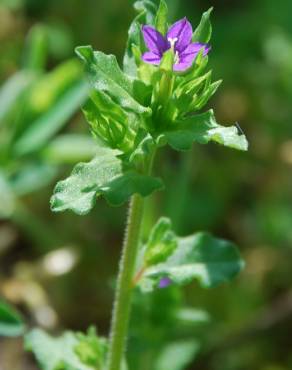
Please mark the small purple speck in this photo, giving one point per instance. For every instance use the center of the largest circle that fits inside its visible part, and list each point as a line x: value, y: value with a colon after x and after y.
x: 164, y: 282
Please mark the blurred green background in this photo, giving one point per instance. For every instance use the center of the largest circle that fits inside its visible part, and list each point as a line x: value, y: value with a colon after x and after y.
x: 59, y: 269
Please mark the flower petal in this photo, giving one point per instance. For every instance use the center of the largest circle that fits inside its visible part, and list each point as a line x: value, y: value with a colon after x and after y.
x: 151, y: 58
x: 182, y: 31
x: 154, y: 41
x: 187, y: 57
x: 194, y: 48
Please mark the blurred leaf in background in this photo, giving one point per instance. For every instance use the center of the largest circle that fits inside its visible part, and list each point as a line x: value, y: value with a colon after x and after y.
x: 11, y: 323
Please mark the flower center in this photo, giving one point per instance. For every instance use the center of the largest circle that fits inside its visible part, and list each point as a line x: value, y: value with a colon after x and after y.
x: 172, y: 42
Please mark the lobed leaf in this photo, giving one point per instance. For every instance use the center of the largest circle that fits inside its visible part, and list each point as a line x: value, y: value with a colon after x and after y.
x: 105, y: 75
x: 203, y: 128
x: 104, y: 175
x: 55, y: 353
x: 69, y: 351
x: 209, y: 260
x: 91, y: 349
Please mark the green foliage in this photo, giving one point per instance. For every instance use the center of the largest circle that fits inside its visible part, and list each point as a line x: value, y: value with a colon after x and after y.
x: 177, y: 355
x: 203, y: 128
x: 34, y: 106
x: 161, y: 18
x: 109, y: 122
x: 46, y: 126
x: 69, y: 351
x: 106, y: 76
x: 55, y: 353
x: 36, y: 52
x: 91, y: 349
x: 11, y: 324
x: 69, y: 148
x: 147, y: 11
x: 167, y: 321
x: 204, y: 30
x: 7, y: 197
x: 209, y: 260
x: 137, y: 113
x: 161, y: 243
x: 103, y: 175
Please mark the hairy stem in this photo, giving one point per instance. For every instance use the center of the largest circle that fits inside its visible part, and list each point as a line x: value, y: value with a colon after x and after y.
x: 122, y: 304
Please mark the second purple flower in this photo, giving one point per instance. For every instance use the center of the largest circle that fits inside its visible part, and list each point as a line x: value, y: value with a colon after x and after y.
x: 178, y: 37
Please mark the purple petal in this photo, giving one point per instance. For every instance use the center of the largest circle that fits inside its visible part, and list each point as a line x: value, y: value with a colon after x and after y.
x: 194, y: 48
x: 151, y: 58
x: 154, y: 41
x: 182, y: 31
x: 164, y: 282
x: 187, y: 57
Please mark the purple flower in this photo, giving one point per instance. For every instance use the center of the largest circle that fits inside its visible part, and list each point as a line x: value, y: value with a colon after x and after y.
x: 178, y: 37
x: 164, y: 282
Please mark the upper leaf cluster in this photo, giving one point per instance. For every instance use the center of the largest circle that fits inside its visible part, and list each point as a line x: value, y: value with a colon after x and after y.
x: 134, y: 111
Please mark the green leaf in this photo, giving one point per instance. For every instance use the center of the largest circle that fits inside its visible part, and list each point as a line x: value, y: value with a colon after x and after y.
x: 209, y: 260
x: 12, y: 90
x: 70, y: 351
x: 11, y: 324
x: 147, y: 11
x: 32, y: 176
x: 161, y: 244
x: 144, y: 146
x: 49, y: 123
x: 35, y: 55
x: 133, y: 44
x: 70, y: 148
x: 203, y: 128
x: 91, y: 349
x: 204, y: 30
x: 55, y: 353
x: 7, y: 197
x: 104, y: 175
x: 161, y: 18
x: 192, y: 317
x: 177, y: 355
x: 105, y: 75
x: 149, y: 7
x: 111, y: 124
x: 207, y: 94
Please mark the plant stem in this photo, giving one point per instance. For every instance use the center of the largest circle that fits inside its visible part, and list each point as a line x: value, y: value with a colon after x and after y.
x: 122, y: 304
